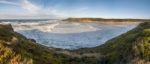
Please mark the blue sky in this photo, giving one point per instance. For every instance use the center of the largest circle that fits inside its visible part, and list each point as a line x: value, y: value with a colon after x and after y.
x: 75, y: 8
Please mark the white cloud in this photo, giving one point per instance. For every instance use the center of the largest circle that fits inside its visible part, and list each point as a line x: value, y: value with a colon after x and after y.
x: 30, y: 7
x: 7, y: 2
x: 25, y: 4
x: 55, y: 12
x: 33, y: 10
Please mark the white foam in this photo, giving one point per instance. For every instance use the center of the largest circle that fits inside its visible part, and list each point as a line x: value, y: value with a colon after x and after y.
x: 55, y: 27
x: 69, y: 35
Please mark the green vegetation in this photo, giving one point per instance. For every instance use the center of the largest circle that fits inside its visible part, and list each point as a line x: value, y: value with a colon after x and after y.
x: 132, y: 47
x: 129, y: 46
x: 102, y: 19
x: 16, y: 49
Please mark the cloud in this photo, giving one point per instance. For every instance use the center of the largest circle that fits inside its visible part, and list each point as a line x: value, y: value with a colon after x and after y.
x: 33, y: 10
x: 30, y: 7
x: 24, y: 4
x: 7, y: 2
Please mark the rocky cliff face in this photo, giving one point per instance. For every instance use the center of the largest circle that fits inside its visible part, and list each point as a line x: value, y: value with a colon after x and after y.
x: 132, y: 47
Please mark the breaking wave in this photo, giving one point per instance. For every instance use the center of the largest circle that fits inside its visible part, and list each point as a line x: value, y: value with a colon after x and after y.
x: 69, y: 35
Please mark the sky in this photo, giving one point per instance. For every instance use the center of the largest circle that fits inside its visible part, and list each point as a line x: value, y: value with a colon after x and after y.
x: 75, y: 8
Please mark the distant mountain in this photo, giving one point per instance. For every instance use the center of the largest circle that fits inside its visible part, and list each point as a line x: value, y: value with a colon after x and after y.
x: 102, y: 20
x: 132, y: 47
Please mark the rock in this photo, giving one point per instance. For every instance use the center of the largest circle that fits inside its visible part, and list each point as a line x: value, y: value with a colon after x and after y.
x: 32, y: 40
x: 6, y: 27
x: 14, y: 39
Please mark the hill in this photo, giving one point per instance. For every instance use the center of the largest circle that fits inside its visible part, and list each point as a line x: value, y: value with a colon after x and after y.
x: 132, y: 47
x: 103, y: 20
x: 16, y: 49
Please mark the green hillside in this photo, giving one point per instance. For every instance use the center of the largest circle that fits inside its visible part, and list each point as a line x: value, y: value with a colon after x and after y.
x: 132, y: 47
x: 16, y: 49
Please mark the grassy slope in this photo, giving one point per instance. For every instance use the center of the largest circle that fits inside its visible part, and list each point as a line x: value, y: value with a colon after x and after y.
x: 132, y: 47
x: 15, y: 48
